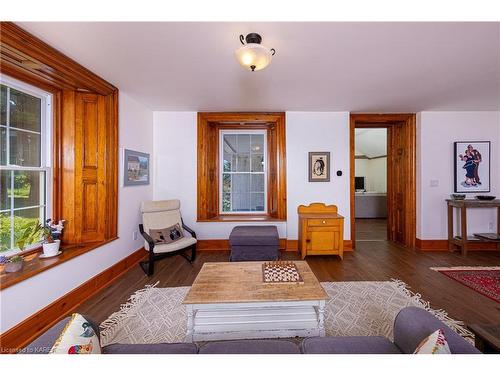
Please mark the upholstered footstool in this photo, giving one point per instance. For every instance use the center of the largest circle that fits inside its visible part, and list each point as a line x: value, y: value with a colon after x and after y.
x: 254, y: 243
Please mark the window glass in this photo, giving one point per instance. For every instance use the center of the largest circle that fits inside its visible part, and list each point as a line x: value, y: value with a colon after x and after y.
x: 243, y: 172
x: 23, y: 176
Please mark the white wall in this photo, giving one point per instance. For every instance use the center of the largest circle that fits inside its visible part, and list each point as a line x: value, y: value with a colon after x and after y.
x: 375, y: 171
x: 175, y: 153
x: 27, y: 297
x: 317, y: 131
x: 436, y: 132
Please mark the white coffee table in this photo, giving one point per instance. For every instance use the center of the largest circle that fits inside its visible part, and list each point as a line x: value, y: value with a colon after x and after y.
x: 231, y: 301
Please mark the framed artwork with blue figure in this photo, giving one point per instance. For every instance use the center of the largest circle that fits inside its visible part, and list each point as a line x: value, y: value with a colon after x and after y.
x: 472, y: 166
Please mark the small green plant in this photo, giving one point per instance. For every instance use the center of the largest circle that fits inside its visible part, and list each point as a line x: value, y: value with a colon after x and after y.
x: 15, y: 259
x: 29, y: 233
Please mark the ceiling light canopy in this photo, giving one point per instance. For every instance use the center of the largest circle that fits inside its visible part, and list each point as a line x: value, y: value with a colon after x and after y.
x: 253, y: 55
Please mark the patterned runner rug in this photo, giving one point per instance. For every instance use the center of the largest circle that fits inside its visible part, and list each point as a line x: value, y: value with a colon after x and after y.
x: 484, y: 280
x: 358, y: 308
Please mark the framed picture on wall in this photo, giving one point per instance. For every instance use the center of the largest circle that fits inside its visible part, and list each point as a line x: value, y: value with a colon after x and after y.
x: 135, y: 168
x: 319, y: 166
x: 472, y: 166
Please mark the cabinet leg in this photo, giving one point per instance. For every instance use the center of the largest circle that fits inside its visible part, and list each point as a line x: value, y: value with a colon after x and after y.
x: 450, y: 228
x: 463, y: 229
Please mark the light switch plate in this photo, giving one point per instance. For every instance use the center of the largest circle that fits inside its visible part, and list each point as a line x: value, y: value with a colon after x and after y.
x: 434, y: 183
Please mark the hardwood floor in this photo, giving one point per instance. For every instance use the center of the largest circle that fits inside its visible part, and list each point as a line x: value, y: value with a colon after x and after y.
x: 377, y: 260
x: 371, y: 229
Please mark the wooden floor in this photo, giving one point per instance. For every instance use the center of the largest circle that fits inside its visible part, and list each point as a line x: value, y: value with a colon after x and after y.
x: 378, y: 260
x: 371, y: 229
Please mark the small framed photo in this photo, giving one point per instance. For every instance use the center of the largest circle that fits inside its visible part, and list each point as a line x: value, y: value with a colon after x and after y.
x: 135, y: 168
x: 319, y: 166
x: 472, y: 167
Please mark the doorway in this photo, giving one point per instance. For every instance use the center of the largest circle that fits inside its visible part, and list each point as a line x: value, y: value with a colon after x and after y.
x: 370, y: 184
x: 400, y: 222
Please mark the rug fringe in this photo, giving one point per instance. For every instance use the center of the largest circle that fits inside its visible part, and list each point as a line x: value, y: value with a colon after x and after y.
x: 466, y: 268
x: 109, y: 326
x: 457, y: 325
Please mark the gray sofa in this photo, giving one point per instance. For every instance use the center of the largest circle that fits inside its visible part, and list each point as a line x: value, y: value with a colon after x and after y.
x: 411, y: 326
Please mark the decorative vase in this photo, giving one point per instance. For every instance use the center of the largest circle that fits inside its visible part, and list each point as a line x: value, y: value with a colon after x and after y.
x: 14, y: 266
x: 51, y: 249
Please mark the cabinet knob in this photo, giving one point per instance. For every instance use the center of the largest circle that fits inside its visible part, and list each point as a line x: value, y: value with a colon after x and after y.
x: 324, y: 221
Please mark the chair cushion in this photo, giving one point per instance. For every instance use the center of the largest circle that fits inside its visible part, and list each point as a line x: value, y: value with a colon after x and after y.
x: 250, y: 235
x: 164, y: 348
x: 166, y: 235
x: 177, y: 245
x: 349, y: 345
x: 250, y: 347
x: 156, y: 206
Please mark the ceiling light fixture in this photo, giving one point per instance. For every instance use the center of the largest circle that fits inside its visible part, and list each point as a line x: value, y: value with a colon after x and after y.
x: 253, y: 55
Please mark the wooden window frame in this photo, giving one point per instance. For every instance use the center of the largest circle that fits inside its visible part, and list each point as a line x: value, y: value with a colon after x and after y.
x: 28, y: 59
x: 208, y: 198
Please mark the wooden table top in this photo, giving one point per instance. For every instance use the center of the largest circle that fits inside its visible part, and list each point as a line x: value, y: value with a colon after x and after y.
x: 241, y: 282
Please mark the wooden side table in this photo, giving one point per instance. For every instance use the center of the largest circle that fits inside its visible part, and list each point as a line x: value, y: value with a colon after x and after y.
x: 487, y: 337
x: 463, y: 241
x: 321, y: 230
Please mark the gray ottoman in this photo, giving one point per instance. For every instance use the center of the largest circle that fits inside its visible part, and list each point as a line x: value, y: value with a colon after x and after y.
x: 254, y: 243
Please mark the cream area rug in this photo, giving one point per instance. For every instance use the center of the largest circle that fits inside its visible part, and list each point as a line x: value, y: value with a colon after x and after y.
x: 357, y: 308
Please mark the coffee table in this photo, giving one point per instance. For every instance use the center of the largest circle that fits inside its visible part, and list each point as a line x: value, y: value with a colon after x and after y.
x: 231, y: 301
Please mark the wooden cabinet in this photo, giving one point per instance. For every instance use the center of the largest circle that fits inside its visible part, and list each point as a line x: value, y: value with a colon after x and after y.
x: 321, y: 230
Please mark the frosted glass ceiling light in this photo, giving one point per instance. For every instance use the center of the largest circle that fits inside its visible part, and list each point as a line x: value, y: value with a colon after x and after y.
x: 253, y: 55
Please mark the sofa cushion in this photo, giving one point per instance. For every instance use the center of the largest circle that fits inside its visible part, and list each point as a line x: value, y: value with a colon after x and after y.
x: 250, y: 347
x: 349, y: 345
x: 46, y: 341
x: 414, y: 324
x: 77, y: 337
x: 164, y: 348
x: 254, y: 235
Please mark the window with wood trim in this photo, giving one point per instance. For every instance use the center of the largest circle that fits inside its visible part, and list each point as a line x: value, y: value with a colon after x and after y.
x: 241, y: 166
x: 83, y: 181
x: 25, y: 183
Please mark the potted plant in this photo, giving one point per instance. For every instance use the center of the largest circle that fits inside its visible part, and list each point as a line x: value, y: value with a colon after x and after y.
x: 12, y: 264
x: 28, y: 234
x: 51, y: 233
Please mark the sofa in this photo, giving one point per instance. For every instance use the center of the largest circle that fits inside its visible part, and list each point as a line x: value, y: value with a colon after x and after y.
x: 411, y: 326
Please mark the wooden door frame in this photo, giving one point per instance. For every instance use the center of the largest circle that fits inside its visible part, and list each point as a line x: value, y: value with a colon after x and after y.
x: 386, y: 120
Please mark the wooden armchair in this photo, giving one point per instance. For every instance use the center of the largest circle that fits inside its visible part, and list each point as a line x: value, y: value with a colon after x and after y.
x: 160, y: 215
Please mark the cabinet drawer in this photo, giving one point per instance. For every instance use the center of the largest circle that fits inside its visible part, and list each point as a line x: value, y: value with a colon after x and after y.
x: 323, y: 222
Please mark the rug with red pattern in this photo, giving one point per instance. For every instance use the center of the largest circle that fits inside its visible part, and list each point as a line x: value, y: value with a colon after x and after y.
x: 484, y: 280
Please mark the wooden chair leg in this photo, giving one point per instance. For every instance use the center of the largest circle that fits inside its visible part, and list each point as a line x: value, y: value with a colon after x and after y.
x: 193, y: 253
x: 149, y: 266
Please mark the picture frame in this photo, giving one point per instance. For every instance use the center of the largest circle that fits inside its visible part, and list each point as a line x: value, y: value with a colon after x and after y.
x: 135, y: 168
x: 319, y: 166
x: 472, y: 166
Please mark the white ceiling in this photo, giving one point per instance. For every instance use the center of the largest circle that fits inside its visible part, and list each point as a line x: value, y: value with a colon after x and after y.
x: 370, y: 142
x: 372, y: 67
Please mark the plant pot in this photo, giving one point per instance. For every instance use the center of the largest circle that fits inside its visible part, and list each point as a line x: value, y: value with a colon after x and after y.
x: 14, y: 266
x: 51, y: 249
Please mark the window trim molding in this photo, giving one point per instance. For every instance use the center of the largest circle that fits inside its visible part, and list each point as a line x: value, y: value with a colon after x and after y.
x: 28, y: 59
x: 208, y: 201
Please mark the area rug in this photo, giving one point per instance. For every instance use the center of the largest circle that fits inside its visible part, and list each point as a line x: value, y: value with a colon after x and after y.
x: 358, y: 308
x: 484, y: 280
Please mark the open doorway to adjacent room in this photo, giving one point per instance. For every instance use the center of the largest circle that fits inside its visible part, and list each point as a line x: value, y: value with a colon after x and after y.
x: 370, y: 184
x: 383, y: 178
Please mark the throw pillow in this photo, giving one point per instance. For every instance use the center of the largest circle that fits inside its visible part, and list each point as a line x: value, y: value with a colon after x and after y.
x: 435, y: 343
x: 77, y: 337
x: 166, y: 235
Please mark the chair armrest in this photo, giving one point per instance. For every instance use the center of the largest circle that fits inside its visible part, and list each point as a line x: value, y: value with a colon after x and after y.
x: 189, y: 230
x: 147, y: 237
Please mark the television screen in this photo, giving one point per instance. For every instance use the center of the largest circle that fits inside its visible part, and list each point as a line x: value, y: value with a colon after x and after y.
x: 359, y: 183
